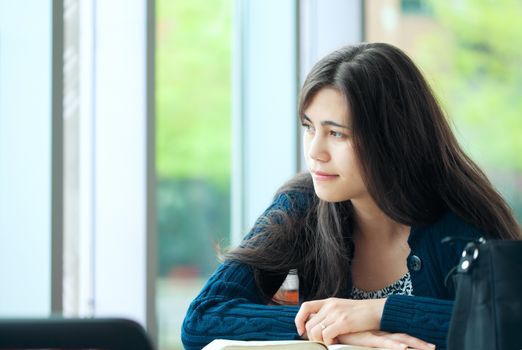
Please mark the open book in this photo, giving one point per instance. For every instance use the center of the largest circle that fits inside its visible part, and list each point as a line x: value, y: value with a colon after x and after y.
x: 223, y: 344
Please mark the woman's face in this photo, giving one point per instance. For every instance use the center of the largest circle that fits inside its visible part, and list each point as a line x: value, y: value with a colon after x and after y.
x: 328, y: 148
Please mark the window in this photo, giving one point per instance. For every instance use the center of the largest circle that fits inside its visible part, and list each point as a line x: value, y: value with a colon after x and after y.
x: 194, y: 118
x: 108, y: 151
x: 29, y: 135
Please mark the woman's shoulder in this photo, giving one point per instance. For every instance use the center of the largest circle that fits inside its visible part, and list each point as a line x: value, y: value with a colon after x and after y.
x: 297, y: 194
x: 428, y: 242
x: 452, y: 224
x: 449, y: 224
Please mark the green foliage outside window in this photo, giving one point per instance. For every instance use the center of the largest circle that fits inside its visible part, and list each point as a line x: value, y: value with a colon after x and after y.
x: 193, y: 107
x: 474, y: 63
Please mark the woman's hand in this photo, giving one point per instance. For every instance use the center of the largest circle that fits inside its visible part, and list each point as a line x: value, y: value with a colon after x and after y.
x: 324, y: 320
x: 380, y: 339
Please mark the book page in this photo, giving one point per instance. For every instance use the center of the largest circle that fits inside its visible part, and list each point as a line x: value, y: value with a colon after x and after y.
x: 223, y: 344
x: 351, y: 347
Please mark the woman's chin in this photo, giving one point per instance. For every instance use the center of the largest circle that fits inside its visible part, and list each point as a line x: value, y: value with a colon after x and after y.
x: 329, y: 196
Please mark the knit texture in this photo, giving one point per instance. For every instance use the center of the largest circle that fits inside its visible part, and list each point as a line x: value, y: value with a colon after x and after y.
x: 231, y: 306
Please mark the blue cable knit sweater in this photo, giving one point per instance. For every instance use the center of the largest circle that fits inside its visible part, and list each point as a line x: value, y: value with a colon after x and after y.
x: 231, y: 306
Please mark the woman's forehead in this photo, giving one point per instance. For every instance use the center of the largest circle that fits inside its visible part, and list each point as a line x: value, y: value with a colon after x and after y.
x: 328, y: 103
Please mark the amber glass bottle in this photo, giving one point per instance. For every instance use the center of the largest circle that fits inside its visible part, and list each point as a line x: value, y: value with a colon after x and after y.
x: 288, y: 293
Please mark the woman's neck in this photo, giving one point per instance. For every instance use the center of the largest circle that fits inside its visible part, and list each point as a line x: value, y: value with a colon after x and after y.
x: 373, y: 224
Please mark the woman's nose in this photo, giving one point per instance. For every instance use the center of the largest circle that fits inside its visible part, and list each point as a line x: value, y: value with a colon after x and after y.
x: 317, y: 149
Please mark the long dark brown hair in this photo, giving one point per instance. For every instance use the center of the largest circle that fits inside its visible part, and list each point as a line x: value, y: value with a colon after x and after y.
x: 413, y: 168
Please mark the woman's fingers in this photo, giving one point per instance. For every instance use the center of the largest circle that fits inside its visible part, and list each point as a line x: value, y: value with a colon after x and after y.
x: 304, y: 315
x: 335, y: 316
x: 371, y: 339
x: 315, y: 326
x: 332, y: 330
x: 315, y: 332
x: 353, y: 322
x: 316, y: 322
x: 380, y: 339
x: 412, y: 342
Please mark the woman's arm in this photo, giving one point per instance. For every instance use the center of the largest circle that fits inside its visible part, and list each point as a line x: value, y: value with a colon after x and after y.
x: 418, y: 321
x: 421, y: 317
x: 230, y: 306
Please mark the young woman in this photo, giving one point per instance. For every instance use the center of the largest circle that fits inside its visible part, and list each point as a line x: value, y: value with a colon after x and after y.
x: 387, y: 182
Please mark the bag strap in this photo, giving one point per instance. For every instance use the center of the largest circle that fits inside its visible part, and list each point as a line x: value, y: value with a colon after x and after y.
x: 469, y: 255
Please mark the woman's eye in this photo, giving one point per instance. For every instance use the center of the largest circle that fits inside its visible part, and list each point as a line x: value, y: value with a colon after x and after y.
x: 308, y: 127
x: 338, y: 135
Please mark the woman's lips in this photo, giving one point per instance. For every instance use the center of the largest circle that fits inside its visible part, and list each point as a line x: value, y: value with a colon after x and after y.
x: 322, y: 176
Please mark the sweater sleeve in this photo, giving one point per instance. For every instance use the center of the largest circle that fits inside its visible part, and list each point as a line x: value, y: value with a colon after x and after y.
x: 424, y: 318
x: 230, y: 306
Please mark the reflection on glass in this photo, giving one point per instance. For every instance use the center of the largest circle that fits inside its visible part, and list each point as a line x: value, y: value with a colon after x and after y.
x: 468, y: 50
x: 193, y: 151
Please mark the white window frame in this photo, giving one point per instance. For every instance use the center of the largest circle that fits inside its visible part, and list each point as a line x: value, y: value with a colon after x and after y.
x: 117, y: 261
x: 275, y: 45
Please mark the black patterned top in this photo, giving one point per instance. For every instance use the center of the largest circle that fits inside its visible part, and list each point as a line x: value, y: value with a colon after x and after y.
x: 403, y: 286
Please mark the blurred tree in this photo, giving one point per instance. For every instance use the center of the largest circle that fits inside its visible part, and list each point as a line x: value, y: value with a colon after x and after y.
x: 194, y: 89
x: 193, y: 132
x: 474, y: 64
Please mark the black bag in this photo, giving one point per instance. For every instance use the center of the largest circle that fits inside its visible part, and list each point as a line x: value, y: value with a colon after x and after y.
x: 487, y: 313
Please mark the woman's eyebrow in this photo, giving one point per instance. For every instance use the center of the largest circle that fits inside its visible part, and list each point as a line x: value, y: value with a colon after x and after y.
x: 328, y: 122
